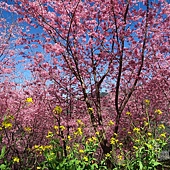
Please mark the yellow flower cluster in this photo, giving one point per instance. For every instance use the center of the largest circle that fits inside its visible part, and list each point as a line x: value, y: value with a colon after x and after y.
x: 147, y: 102
x: 56, y: 127
x: 97, y: 133
x: 67, y: 148
x: 57, y: 110
x: 90, y: 110
x: 91, y: 140
x: 137, y: 141
x: 120, y: 157
x: 15, y: 159
x: 149, y: 134
x: 135, y: 147
x: 69, y: 137
x: 110, y: 123
x: 29, y: 100
x: 161, y: 126
x: 136, y: 129
x: 42, y: 147
x: 78, y: 132
x: 81, y: 151
x: 27, y: 129
x: 108, y: 155
x: 113, y: 141
x: 50, y: 134
x: 146, y: 123
x: 128, y: 113
x: 163, y: 135
x: 85, y: 158
x: 6, y: 124
x: 62, y: 128
x: 157, y: 111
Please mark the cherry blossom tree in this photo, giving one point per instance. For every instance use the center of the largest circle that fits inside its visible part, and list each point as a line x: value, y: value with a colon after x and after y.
x: 89, y: 47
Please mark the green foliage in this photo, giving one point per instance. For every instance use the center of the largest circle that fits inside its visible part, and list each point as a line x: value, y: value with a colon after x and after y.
x: 77, y: 151
x: 2, y: 152
x: 148, y: 142
x: 5, y: 164
x: 79, y: 156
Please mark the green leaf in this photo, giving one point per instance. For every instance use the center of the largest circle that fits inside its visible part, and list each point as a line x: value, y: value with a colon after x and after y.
x: 155, y: 163
x: 3, y: 167
x: 140, y: 165
x: 2, y: 152
x: 94, y: 166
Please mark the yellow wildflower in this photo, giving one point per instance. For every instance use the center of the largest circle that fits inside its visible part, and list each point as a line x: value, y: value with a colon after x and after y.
x: 120, y: 144
x: 36, y: 147
x: 41, y: 148
x: 113, y: 141
x: 90, y: 139
x: 149, y: 134
x: 146, y: 123
x: 128, y: 113
x: 135, y: 147
x: 129, y: 132
x: 0, y: 128
x: 62, y: 128
x: 81, y: 151
x: 110, y: 123
x: 90, y: 110
x: 29, y: 100
x: 97, y: 133
x: 67, y: 148
x: 120, y: 157
x: 6, y: 124
x: 147, y: 102
x: 157, y: 111
x: 57, y: 110
x: 163, y: 135
x: 115, y: 134
x: 137, y: 130
x: 78, y: 132
x: 85, y: 158
x: 38, y: 167
x: 158, y: 139
x: 108, y: 155
x: 161, y: 126
x: 48, y: 147
x: 69, y: 137
x: 56, y: 127
x: 50, y: 134
x: 15, y: 159
x: 94, y: 138
x: 27, y: 129
x: 137, y: 140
